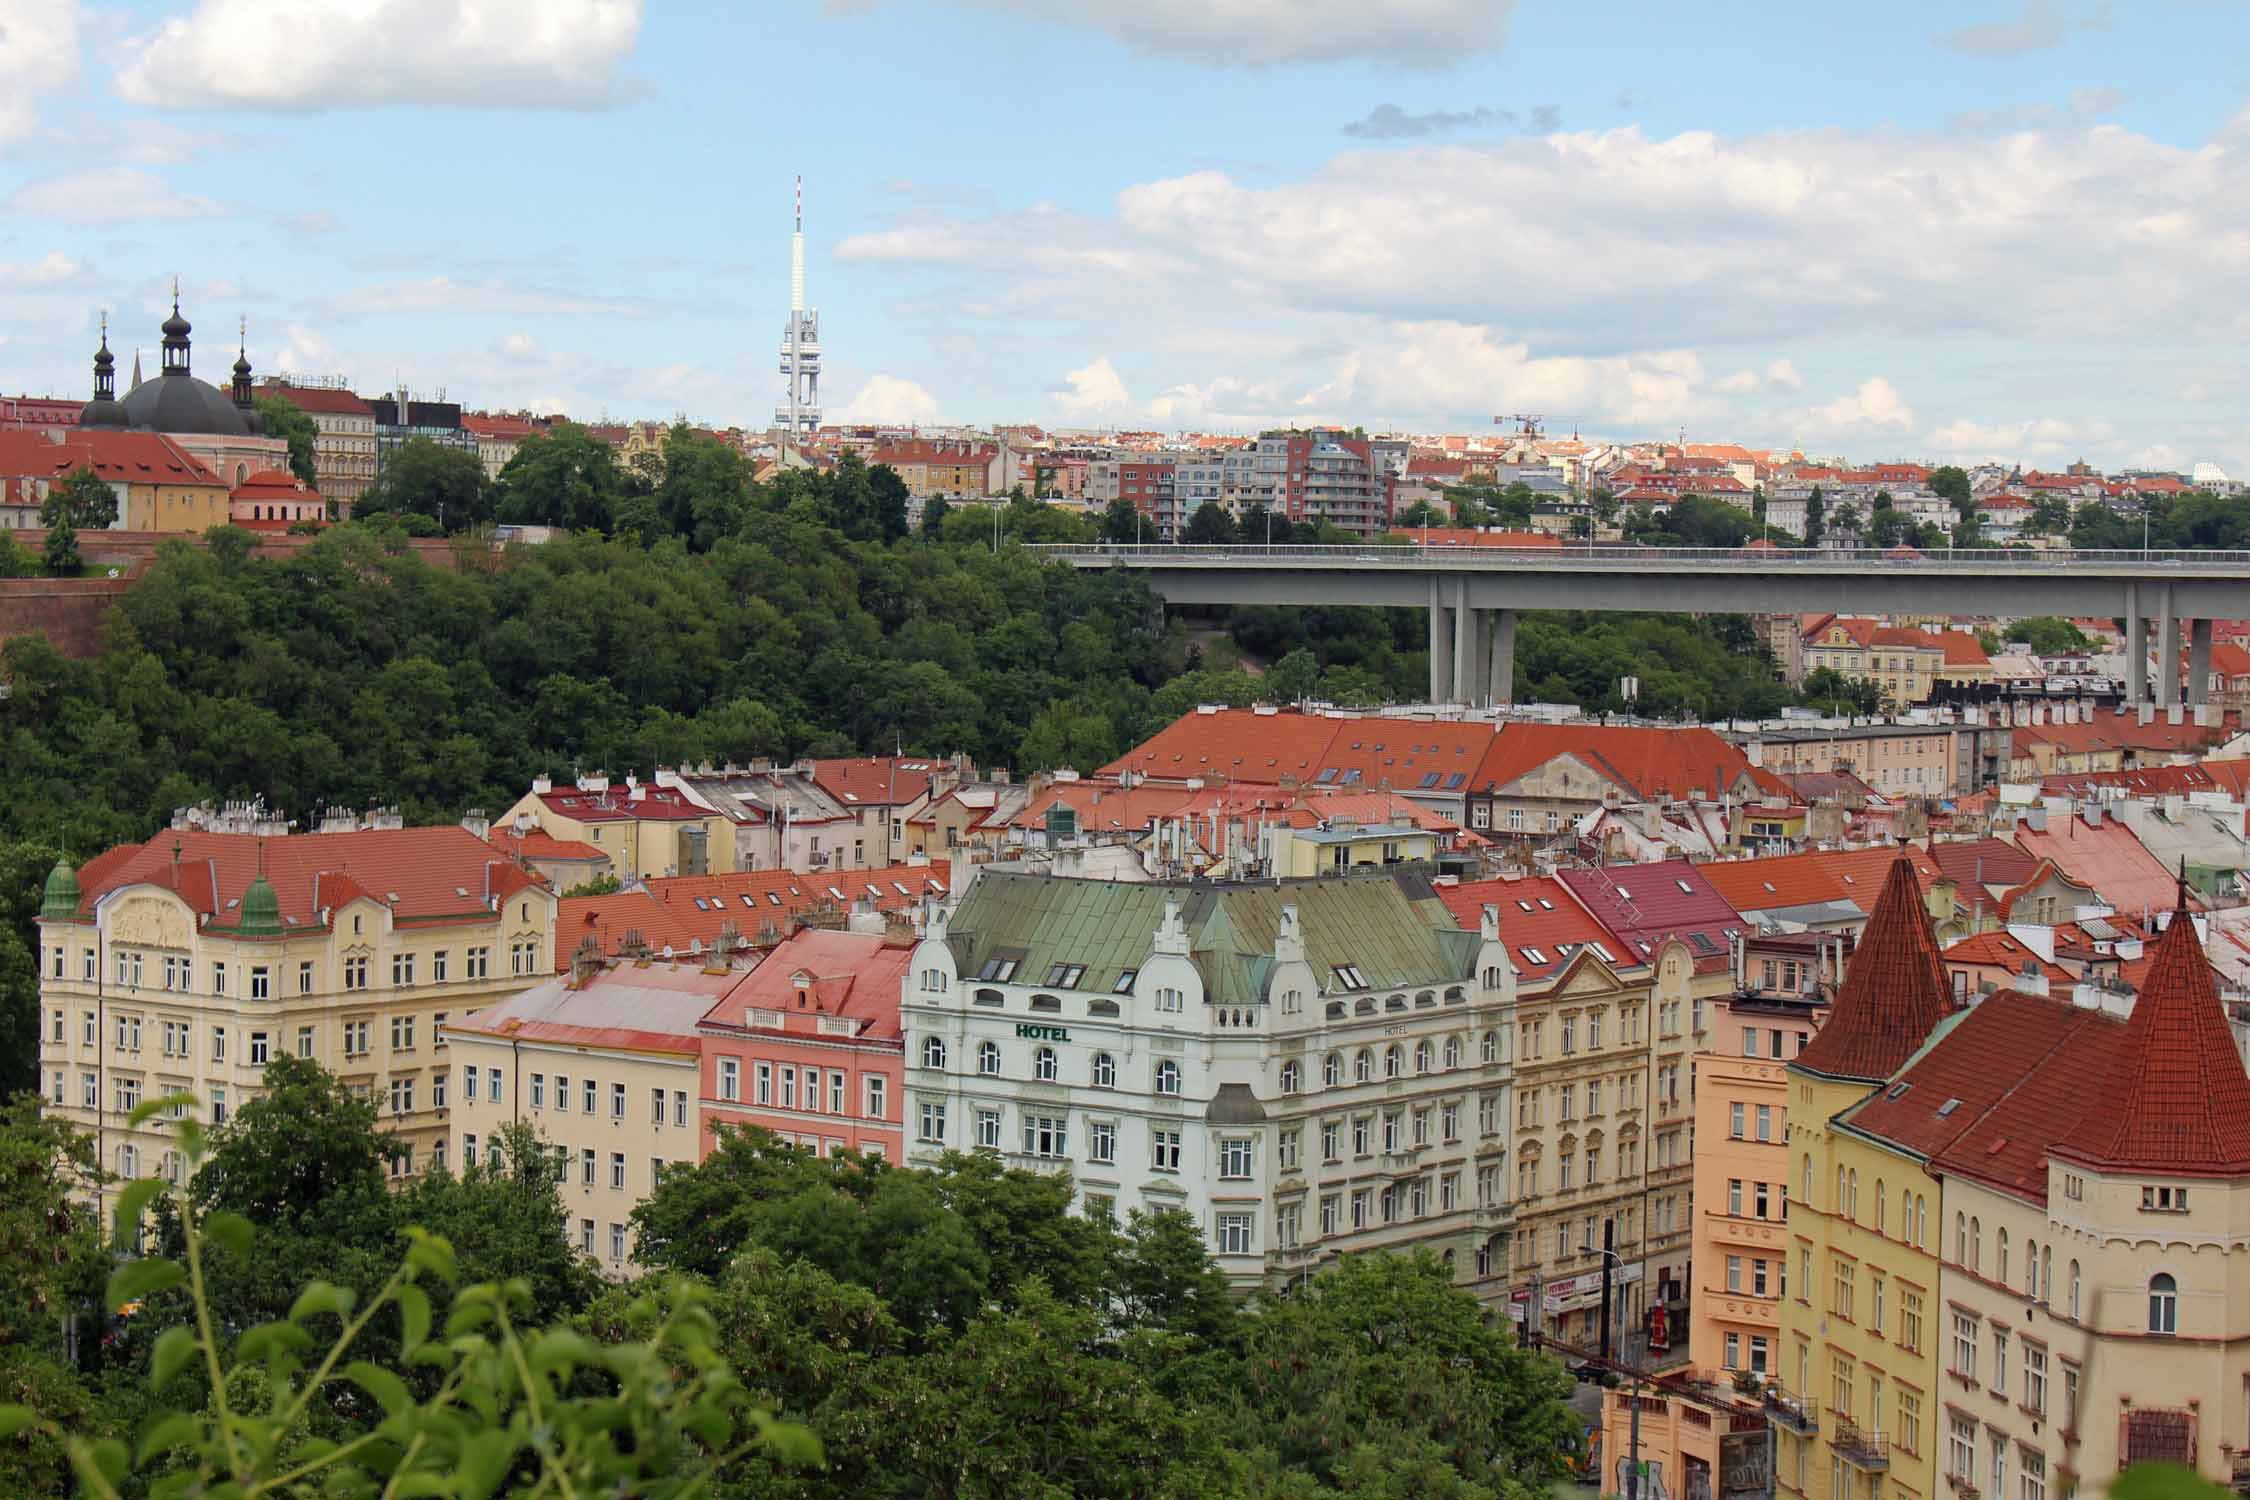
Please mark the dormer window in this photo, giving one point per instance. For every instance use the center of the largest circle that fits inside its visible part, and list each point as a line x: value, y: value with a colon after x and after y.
x: 1066, y: 976
x: 999, y: 969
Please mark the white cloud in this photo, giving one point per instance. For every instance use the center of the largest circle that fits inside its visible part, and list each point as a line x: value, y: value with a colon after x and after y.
x: 2035, y: 438
x: 890, y: 399
x: 1783, y: 375
x: 52, y: 269
x: 38, y: 54
x: 2039, y: 27
x: 106, y: 195
x: 1093, y: 391
x: 1262, y: 33
x: 305, y: 353
x: 1740, y: 383
x: 445, y: 294
x: 1876, y: 403
x: 340, y: 54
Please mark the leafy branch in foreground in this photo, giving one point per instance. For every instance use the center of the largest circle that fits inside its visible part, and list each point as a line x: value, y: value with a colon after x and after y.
x: 484, y: 1408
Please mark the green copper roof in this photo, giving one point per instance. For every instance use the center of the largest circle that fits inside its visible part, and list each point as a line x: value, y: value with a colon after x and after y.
x: 260, y: 913
x: 1390, y: 925
x: 60, y: 901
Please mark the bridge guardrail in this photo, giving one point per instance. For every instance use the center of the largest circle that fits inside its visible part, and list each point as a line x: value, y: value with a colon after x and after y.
x: 1978, y: 559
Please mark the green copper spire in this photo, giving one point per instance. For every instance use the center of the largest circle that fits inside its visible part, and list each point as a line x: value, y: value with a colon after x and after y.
x: 60, y: 903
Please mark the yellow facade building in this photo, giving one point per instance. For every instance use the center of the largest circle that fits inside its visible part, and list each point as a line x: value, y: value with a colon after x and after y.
x: 646, y: 831
x: 188, y: 963
x: 1856, y: 1401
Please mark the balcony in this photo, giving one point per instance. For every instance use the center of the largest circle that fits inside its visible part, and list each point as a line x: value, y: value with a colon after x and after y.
x: 1793, y: 1412
x: 1861, y: 1449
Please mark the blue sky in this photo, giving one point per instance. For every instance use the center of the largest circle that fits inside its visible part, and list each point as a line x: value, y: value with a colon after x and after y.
x: 1984, y: 229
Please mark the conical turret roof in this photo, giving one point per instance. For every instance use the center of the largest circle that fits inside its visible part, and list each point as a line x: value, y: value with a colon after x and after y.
x: 1894, y: 992
x: 2176, y: 1100
x: 59, y: 901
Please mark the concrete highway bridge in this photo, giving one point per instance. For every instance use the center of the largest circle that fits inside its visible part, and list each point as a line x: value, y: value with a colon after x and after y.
x: 1472, y: 593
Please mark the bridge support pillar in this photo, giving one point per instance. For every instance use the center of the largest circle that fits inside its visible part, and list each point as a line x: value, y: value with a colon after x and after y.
x: 1504, y: 658
x: 2167, y: 650
x: 1464, y: 644
x: 2199, y: 663
x: 2136, y: 649
x: 1441, y: 644
x: 1479, y: 675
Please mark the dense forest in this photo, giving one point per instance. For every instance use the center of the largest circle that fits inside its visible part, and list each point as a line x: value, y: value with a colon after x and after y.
x: 828, y: 1327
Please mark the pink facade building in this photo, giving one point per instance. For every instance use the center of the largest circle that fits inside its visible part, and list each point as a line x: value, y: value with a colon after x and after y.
x: 807, y: 1045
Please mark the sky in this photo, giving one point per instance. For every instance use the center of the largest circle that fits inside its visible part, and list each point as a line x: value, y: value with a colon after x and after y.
x: 2013, y: 229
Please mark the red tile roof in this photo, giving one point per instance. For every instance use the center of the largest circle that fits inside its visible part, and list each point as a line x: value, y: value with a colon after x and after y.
x: 821, y: 971
x: 442, y: 874
x: 634, y: 1007
x: 1651, y: 764
x: 2106, y: 856
x: 620, y: 803
x: 703, y: 904
x: 1894, y: 991
x: 1862, y: 872
x: 1413, y: 755
x: 1649, y: 905
x: 1236, y: 742
x: 610, y: 920
x: 1994, y: 1094
x: 876, y: 780
x: 127, y: 457
x: 335, y: 403
x: 537, y: 844
x: 1469, y: 536
x: 1782, y: 880
x: 274, y: 484
x: 2175, y: 1099
x: 1972, y: 863
x: 1542, y: 925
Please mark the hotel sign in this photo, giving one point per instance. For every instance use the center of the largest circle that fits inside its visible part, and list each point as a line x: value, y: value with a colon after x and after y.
x: 1042, y: 1033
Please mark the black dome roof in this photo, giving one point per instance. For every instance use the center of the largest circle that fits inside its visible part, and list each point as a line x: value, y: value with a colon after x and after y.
x: 182, y: 403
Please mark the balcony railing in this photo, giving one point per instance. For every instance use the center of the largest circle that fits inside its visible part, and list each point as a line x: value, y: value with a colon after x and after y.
x: 1861, y: 1449
x: 1793, y: 1412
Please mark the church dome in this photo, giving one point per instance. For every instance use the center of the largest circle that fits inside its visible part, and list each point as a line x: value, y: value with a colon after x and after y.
x: 59, y: 901
x: 178, y: 402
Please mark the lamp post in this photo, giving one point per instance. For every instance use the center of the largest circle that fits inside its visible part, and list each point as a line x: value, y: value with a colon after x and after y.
x: 1611, y: 1258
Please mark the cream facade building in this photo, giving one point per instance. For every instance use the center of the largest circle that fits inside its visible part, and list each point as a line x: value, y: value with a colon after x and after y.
x: 602, y: 1062
x: 187, y: 963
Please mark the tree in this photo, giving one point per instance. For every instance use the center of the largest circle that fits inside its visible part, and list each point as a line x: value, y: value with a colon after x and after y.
x: 2049, y: 636
x: 1816, y: 516
x: 300, y: 1144
x: 1950, y: 482
x: 1293, y: 678
x: 1162, y: 1277
x: 934, y: 512
x: 1420, y: 513
x: 1827, y: 687
x: 1210, y: 525
x: 83, y: 499
x: 60, y: 555
x: 1121, y: 522
x: 564, y: 477
x: 424, y: 478
x: 1262, y: 526
x: 286, y: 420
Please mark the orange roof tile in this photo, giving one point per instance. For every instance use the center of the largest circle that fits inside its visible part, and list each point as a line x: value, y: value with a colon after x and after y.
x: 1542, y: 925
x: 1894, y: 991
x: 703, y: 904
x: 824, y: 972
x: 611, y: 920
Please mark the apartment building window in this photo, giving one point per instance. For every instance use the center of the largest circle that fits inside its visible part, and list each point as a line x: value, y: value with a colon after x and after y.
x: 129, y: 1033
x: 437, y: 967
x: 260, y: 1050
x: 1330, y: 1141
x: 357, y: 1038
x: 1734, y: 1278
x: 1235, y: 1157
x: 402, y: 1092
x: 1999, y: 1466
x: 128, y: 1161
x: 402, y: 1033
x: 1170, y: 1000
x: 476, y: 963
x: 492, y: 1088
x: 402, y: 970
x: 1842, y: 1370
x: 616, y: 1101
x: 218, y: 1106
x: 218, y: 978
x: 1234, y: 1234
x: 988, y: 1129
x: 585, y: 1226
x: 2035, y: 1378
x: 988, y: 1062
x: 1875, y: 1289
x: 1908, y: 1434
x: 1044, y: 1065
x: 1488, y: 1114
x: 836, y: 1091
x: 1841, y: 1299
x: 355, y: 973
x: 1165, y: 1150
x: 762, y: 1084
x: 1046, y: 1135
x: 1910, y: 1320
x: 1965, y: 1347
x: 874, y: 1085
x: 1999, y: 1362
x: 1765, y: 1126
x: 617, y: 1170
x: 128, y: 1095
x: 1101, y: 1142
x: 437, y: 1031
x: 1963, y: 1450
x: 730, y: 1079
x: 616, y: 1242
x: 1168, y: 1077
x: 437, y: 1087
x: 2163, y: 1304
x: 1734, y: 1196
x: 91, y: 1029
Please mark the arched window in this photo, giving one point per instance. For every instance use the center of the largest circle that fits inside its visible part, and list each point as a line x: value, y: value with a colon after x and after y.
x: 2074, y: 1289
x: 2031, y: 1269
x: 988, y: 1057
x: 1976, y: 1246
x: 1453, y: 1052
x: 1363, y: 1066
x: 1921, y: 1222
x: 1839, y: 1205
x: 1851, y: 1196
x: 1423, y: 1054
x: 1289, y: 1078
x: 1491, y: 1048
x: 1807, y: 1193
x: 1332, y: 1069
x: 1394, y: 1060
x: 933, y: 1052
x: 1105, y: 1071
x: 1043, y: 1065
x: 2000, y: 1250
x: 1960, y: 1238
x: 2047, y: 1274
x: 1879, y: 1208
x: 2163, y: 1303
x: 1167, y: 1077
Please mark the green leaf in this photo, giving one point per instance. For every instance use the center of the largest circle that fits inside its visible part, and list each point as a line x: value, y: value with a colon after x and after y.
x: 270, y: 1338
x: 432, y: 1253
x: 484, y: 1462
x: 231, y: 1230
x: 420, y: 1486
x: 138, y: 1278
x: 413, y: 1317
x: 166, y: 1434
x: 111, y: 1457
x: 190, y: 1133
x: 388, y: 1390
x: 321, y: 1297
x: 133, y: 1203
x: 14, y: 1419
x: 148, y: 1109
x: 175, y: 1346
x: 467, y: 1317
x: 561, y: 1349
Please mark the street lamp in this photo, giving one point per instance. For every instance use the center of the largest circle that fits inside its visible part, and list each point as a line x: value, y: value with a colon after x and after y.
x: 1633, y: 1458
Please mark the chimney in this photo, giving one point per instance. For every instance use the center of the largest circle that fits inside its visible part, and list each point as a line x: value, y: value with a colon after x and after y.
x: 541, y: 785
x: 477, y: 823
